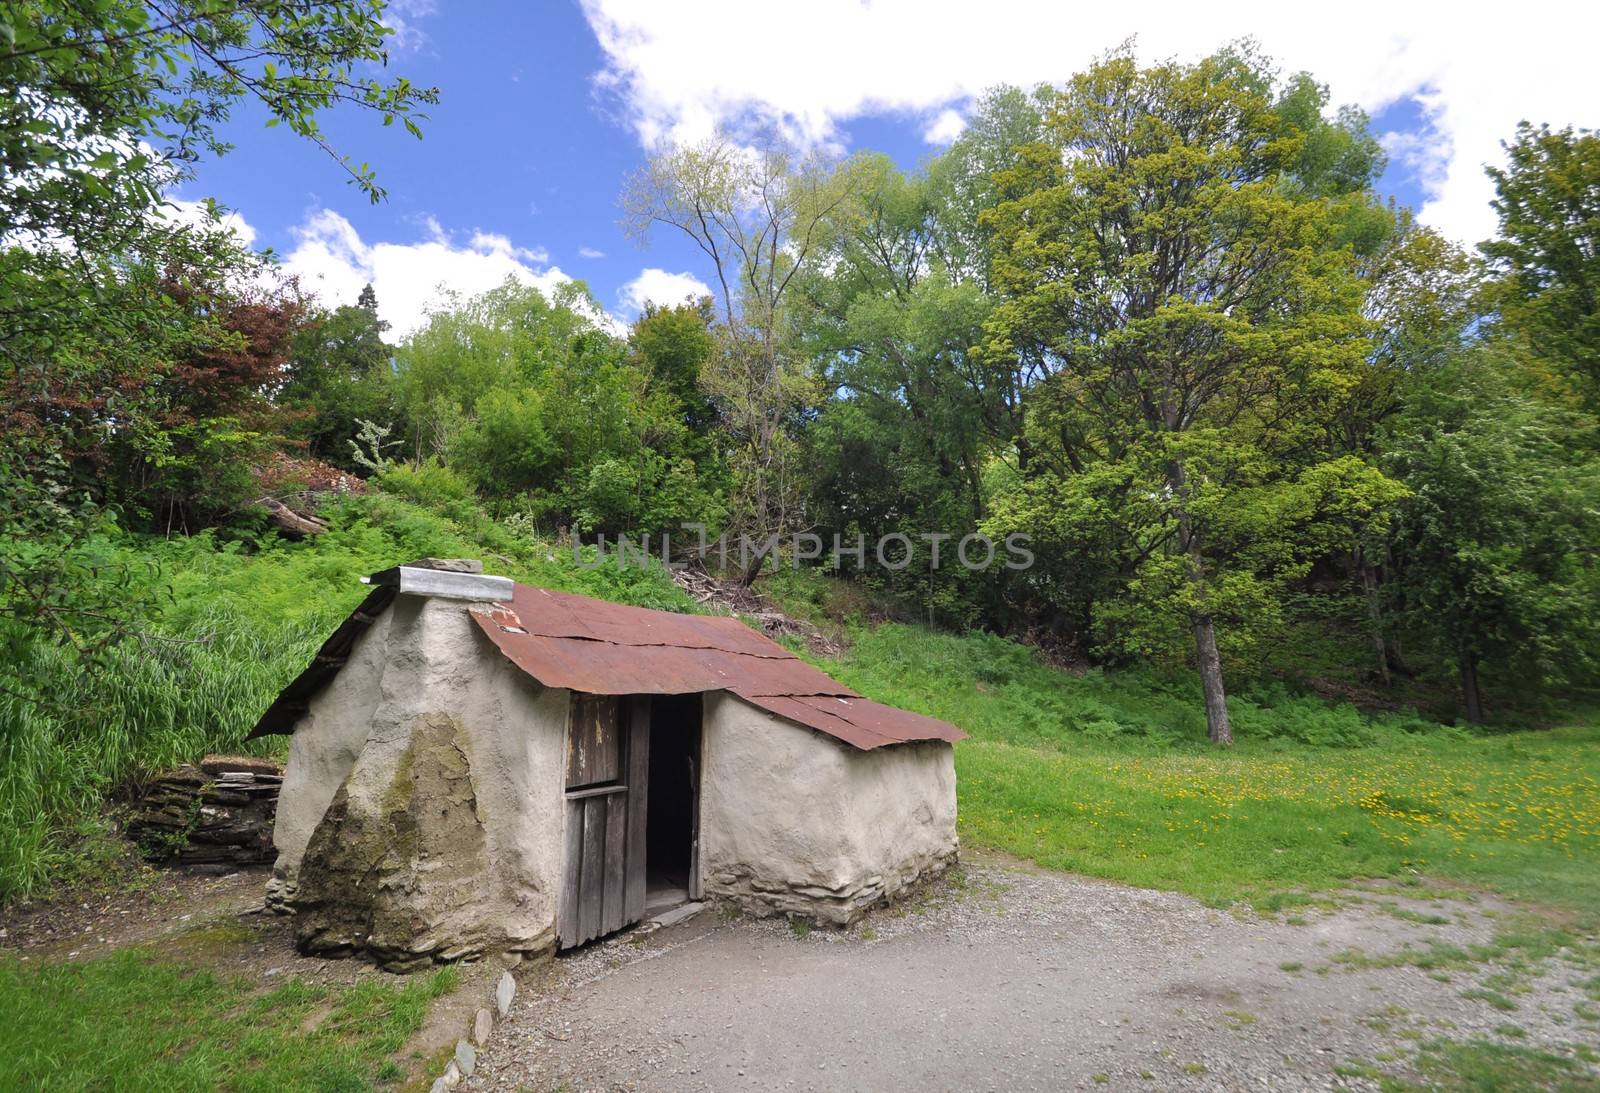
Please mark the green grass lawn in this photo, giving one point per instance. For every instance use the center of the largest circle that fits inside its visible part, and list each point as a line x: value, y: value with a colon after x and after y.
x: 139, y: 1019
x: 1109, y: 775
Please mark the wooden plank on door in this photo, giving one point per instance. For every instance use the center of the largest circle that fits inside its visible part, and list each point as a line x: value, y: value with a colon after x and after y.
x: 572, y: 865
x: 591, y: 883
x: 638, y: 729
x: 611, y: 915
x: 594, y: 742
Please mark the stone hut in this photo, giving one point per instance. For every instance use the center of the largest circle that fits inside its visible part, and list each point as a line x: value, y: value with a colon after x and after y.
x: 480, y: 766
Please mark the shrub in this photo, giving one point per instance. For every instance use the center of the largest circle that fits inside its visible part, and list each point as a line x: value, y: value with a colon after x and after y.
x: 430, y: 484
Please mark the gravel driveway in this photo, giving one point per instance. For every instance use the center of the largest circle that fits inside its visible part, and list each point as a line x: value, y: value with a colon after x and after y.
x: 1018, y: 979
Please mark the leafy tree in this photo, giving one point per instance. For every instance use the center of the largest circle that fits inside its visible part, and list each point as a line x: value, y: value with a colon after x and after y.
x: 104, y: 104
x: 209, y: 405
x: 673, y: 345
x: 1179, y: 298
x: 510, y: 336
x: 760, y: 217
x: 899, y: 445
x: 1422, y: 302
x: 1548, y: 247
x: 108, y: 102
x: 962, y: 182
x: 338, y: 377
x: 543, y: 411
x: 160, y: 421
x: 1496, y: 546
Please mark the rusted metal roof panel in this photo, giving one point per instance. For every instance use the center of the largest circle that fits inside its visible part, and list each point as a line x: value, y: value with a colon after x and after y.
x: 794, y: 709
x: 601, y: 668
x: 591, y: 646
x: 860, y: 721
x: 547, y: 613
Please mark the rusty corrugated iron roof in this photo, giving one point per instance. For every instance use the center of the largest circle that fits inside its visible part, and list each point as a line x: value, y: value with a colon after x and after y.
x: 582, y: 644
x: 563, y: 640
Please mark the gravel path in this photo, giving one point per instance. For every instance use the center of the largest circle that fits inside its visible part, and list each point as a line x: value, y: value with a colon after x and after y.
x: 1021, y: 980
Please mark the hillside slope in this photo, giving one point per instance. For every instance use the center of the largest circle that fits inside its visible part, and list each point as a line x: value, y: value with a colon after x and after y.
x: 1101, y: 773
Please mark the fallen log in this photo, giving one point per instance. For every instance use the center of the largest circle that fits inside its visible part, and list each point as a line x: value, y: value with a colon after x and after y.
x: 296, y: 525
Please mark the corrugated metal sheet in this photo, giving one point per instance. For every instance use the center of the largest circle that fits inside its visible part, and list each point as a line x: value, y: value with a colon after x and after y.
x: 587, y: 645
x: 603, y: 648
x: 547, y: 613
x: 859, y: 721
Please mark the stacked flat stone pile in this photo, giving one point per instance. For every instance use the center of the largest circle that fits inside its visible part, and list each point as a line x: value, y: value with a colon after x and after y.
x: 218, y: 814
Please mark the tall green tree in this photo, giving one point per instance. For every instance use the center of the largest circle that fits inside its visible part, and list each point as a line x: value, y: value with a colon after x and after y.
x: 1189, y: 307
x: 339, y: 375
x: 760, y: 216
x: 899, y: 441
x: 674, y: 345
x: 1495, y: 549
x: 1548, y: 248
x: 1422, y: 303
x: 542, y: 411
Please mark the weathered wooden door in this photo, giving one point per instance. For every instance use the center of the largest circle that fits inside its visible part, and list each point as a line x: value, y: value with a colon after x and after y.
x: 608, y: 757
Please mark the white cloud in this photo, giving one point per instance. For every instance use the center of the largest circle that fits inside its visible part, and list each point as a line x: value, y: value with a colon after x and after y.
x: 196, y: 214
x: 1424, y: 154
x: 333, y: 262
x: 1476, y: 76
x: 403, y: 17
x: 489, y: 241
x: 590, y: 252
x: 657, y: 286
x: 944, y: 128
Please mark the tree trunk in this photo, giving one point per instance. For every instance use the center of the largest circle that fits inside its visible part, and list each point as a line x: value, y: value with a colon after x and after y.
x: 1369, y: 587
x: 1469, y: 683
x: 1206, y: 657
x: 1210, y: 664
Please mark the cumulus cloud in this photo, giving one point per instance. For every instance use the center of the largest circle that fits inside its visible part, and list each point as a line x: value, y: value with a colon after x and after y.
x: 404, y: 20
x: 333, y: 262
x: 197, y: 214
x: 657, y: 286
x: 1425, y: 153
x: 944, y: 128
x: 1477, y: 77
x: 590, y: 252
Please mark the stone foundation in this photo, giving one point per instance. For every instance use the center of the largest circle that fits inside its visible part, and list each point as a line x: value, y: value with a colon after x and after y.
x: 839, y: 906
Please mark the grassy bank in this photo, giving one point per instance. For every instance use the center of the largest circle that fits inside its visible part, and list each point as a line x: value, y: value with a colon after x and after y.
x: 1108, y: 775
x: 225, y: 624
x: 1102, y: 773
x: 139, y: 1019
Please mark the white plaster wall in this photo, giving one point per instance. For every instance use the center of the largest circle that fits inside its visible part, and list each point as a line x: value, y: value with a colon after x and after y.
x: 322, y: 751
x: 425, y: 657
x: 795, y: 821
x: 517, y: 733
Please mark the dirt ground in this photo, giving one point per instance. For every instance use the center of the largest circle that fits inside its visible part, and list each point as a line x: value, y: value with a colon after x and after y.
x: 1019, y: 979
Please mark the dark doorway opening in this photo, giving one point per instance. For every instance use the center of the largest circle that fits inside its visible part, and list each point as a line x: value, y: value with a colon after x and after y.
x: 673, y: 828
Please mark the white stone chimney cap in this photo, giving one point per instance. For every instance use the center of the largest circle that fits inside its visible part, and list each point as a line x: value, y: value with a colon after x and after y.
x: 447, y: 579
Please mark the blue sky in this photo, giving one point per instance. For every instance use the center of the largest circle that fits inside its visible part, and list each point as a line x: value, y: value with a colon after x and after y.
x: 546, y: 108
